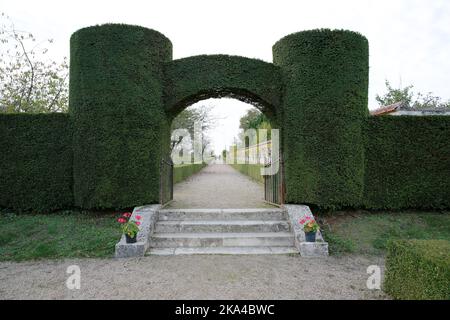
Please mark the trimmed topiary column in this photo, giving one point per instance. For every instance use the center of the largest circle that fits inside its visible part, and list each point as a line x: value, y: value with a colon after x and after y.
x: 325, y: 101
x: 117, y: 108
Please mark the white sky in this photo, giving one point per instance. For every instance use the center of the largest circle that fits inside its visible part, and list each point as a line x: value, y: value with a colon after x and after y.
x: 409, y: 39
x: 227, y: 113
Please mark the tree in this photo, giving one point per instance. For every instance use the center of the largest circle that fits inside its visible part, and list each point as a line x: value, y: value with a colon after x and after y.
x: 28, y: 81
x: 224, y: 155
x: 254, y: 119
x: 188, y: 118
x: 411, y: 99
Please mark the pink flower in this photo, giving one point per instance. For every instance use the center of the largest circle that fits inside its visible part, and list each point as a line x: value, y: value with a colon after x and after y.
x: 138, y: 223
x: 127, y: 214
x: 138, y: 217
x: 121, y: 220
x: 308, y: 218
x: 302, y: 221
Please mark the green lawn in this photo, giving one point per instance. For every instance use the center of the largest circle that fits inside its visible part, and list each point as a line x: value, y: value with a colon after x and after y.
x: 67, y: 234
x: 368, y: 233
x: 82, y: 234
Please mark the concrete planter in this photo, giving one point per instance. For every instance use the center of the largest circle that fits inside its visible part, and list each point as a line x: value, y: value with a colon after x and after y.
x: 319, y: 248
x: 148, y: 215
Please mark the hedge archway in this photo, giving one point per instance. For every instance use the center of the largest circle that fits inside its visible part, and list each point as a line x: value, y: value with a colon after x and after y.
x: 125, y: 88
x: 192, y: 79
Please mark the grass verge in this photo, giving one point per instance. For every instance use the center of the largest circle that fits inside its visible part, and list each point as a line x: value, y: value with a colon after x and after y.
x: 65, y: 234
x: 369, y: 233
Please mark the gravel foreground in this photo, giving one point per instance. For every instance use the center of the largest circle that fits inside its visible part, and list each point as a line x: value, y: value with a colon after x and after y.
x: 194, y: 277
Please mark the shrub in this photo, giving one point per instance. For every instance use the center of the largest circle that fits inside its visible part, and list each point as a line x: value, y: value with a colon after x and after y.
x: 184, y: 171
x: 36, y: 161
x: 407, y: 162
x: 251, y: 170
x: 125, y: 90
x: 192, y: 79
x: 121, y: 132
x: 418, y: 270
x: 325, y: 75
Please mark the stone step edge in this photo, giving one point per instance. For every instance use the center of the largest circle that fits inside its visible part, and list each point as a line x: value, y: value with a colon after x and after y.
x: 223, y: 251
x: 200, y: 210
x: 222, y: 235
x: 220, y: 222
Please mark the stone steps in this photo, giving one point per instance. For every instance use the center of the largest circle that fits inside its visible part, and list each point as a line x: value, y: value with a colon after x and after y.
x: 225, y: 239
x: 202, y: 226
x: 221, y: 214
x: 223, y: 250
x: 222, y: 231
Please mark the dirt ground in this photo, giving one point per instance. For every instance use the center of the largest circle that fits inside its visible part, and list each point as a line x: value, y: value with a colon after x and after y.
x: 194, y: 277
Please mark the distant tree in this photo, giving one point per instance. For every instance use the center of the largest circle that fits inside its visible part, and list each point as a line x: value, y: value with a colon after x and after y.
x: 187, y: 119
x: 28, y: 81
x: 224, y: 155
x: 254, y: 119
x: 411, y: 99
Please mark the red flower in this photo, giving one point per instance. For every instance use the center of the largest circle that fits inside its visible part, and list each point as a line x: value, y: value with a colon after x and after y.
x: 138, y: 217
x: 308, y: 218
x: 138, y: 223
x: 127, y: 214
x: 302, y: 221
x: 121, y: 220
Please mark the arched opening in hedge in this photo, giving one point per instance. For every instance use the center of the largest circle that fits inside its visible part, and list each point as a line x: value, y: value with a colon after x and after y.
x: 226, y: 108
x: 125, y: 88
x: 193, y: 79
x: 231, y: 93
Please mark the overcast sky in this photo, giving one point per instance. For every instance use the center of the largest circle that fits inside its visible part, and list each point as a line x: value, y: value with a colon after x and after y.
x: 409, y: 39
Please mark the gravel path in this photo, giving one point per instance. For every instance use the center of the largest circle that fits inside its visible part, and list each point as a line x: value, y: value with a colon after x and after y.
x: 218, y: 186
x: 193, y: 277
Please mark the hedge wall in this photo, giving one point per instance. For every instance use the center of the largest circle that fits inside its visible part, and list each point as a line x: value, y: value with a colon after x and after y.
x: 120, y: 129
x: 212, y: 76
x: 36, y: 161
x: 125, y: 89
x: 324, y: 103
x: 407, y: 162
x: 251, y: 170
x: 184, y: 171
x: 418, y: 270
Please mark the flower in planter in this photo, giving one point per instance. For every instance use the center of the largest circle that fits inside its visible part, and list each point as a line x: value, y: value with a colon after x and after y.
x: 309, y: 225
x: 130, y: 227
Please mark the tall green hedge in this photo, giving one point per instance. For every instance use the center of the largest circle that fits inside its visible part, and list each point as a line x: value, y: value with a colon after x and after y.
x: 407, y: 162
x: 324, y: 103
x: 251, y: 170
x: 184, y: 171
x: 116, y: 101
x: 192, y: 79
x: 125, y: 89
x: 418, y: 270
x: 35, y: 161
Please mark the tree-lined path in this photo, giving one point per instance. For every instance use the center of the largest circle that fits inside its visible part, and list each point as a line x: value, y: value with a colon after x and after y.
x: 218, y: 186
